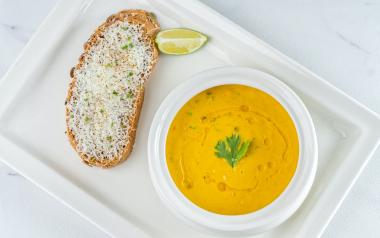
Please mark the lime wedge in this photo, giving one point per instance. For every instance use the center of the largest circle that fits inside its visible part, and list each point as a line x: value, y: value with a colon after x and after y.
x: 179, y: 41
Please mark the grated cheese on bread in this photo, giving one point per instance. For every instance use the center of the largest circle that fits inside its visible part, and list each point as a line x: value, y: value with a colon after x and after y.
x: 107, y: 87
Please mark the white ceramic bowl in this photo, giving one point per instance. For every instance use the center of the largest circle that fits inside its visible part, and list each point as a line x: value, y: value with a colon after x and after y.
x: 273, y: 214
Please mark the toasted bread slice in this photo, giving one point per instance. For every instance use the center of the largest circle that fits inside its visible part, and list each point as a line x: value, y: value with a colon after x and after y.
x: 107, y: 87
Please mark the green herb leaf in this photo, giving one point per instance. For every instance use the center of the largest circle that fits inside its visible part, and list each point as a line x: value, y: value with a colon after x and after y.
x: 86, y: 119
x: 231, y: 149
x: 124, y: 47
x: 222, y: 152
x: 130, y: 94
x: 243, y: 149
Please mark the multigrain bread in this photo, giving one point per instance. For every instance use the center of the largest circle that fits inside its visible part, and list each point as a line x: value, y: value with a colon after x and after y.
x: 106, y: 91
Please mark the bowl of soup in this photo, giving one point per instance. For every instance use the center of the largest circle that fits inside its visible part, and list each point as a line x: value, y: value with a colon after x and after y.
x: 232, y: 150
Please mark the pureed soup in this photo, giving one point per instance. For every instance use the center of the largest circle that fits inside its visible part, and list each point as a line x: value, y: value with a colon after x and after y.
x: 232, y: 149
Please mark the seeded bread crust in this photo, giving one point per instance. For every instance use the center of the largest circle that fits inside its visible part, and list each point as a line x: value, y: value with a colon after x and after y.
x: 150, y: 27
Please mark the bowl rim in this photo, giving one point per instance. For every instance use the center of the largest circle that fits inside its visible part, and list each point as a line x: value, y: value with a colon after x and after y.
x: 265, y: 218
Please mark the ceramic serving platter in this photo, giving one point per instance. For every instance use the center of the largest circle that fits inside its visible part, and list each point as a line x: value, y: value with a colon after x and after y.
x: 121, y: 201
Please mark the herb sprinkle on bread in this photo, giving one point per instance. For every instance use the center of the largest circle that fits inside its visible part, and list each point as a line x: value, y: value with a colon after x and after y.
x: 107, y: 87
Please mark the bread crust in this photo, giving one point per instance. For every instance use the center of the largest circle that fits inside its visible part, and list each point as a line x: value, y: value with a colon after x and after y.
x: 150, y: 27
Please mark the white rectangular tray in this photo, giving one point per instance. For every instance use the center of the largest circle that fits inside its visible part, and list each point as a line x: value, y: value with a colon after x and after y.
x: 121, y: 201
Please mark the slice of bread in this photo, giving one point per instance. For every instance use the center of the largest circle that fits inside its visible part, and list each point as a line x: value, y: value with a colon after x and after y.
x: 107, y: 87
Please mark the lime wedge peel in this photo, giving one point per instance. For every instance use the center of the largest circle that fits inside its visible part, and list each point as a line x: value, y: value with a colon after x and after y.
x: 180, y: 41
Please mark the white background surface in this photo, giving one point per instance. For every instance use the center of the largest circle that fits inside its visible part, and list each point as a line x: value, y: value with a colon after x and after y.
x: 339, y: 40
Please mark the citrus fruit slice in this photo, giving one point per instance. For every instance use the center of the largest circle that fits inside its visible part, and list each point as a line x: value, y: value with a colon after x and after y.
x: 179, y: 41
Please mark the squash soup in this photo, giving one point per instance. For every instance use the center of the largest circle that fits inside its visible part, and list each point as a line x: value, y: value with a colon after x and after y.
x: 232, y: 149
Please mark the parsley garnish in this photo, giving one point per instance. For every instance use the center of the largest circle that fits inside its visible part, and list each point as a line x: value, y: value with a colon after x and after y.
x: 231, y: 149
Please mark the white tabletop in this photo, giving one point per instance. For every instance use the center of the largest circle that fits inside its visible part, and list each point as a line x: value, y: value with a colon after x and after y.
x: 339, y: 40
